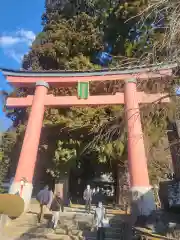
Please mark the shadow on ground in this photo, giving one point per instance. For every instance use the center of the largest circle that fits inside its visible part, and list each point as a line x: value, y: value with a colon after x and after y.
x: 78, y: 226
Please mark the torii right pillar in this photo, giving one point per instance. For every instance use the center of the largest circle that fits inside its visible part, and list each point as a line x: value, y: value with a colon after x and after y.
x: 142, y: 193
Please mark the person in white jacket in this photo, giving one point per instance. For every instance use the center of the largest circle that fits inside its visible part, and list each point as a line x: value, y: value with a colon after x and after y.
x: 100, y: 218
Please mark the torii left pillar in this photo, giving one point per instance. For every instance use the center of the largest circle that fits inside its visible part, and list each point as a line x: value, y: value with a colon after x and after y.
x: 28, y: 155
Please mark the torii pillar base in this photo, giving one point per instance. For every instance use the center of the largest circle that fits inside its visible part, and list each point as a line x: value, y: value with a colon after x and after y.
x: 142, y: 195
x: 26, y: 193
x: 143, y: 203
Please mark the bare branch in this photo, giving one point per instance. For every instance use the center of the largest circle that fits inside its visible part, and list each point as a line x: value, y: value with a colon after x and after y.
x: 171, y: 37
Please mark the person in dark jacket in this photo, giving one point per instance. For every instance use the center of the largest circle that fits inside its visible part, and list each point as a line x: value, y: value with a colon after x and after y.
x: 44, y: 199
x: 56, y: 205
x: 87, y: 196
x: 98, y: 196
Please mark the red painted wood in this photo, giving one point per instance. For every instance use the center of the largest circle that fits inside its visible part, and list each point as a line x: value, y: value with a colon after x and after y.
x: 71, y: 81
x: 67, y: 101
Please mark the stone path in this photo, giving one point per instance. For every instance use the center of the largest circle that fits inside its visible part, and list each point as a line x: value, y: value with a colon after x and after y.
x: 18, y: 227
x: 75, y: 225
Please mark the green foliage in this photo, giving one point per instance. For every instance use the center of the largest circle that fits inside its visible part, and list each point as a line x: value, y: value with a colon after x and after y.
x: 85, y: 131
x: 65, y: 153
x: 64, y: 158
x: 75, y: 32
x: 7, y: 142
x: 155, y: 120
x: 66, y: 44
x: 112, y: 151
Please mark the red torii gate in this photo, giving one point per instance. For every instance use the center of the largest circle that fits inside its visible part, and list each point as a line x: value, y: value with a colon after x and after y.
x: 131, y: 98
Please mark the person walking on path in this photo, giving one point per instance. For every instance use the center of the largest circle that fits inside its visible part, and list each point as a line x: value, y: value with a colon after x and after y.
x: 101, y: 221
x: 56, y: 205
x: 87, y: 196
x: 44, y: 198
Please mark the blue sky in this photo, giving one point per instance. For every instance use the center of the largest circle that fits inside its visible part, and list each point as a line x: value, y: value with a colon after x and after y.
x: 20, y: 22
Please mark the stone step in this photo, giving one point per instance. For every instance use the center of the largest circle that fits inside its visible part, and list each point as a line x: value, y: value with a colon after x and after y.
x: 112, y: 235
x: 88, y: 226
x: 87, y: 218
x: 84, y: 224
x: 49, y: 236
x: 70, y: 215
x: 117, y: 225
x: 109, y: 232
x: 106, y: 238
x: 54, y: 236
x: 81, y: 208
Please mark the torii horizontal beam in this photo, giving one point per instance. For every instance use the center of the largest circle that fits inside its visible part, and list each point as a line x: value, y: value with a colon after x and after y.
x: 67, y: 101
x: 64, y: 78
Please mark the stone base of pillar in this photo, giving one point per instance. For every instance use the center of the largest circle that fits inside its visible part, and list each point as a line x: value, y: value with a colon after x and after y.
x: 143, y: 202
x: 15, y: 188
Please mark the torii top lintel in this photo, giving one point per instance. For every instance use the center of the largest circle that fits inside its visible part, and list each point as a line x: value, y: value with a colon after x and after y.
x: 22, y: 78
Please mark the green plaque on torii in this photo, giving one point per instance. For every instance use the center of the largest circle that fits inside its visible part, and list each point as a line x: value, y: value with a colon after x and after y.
x: 83, y: 90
